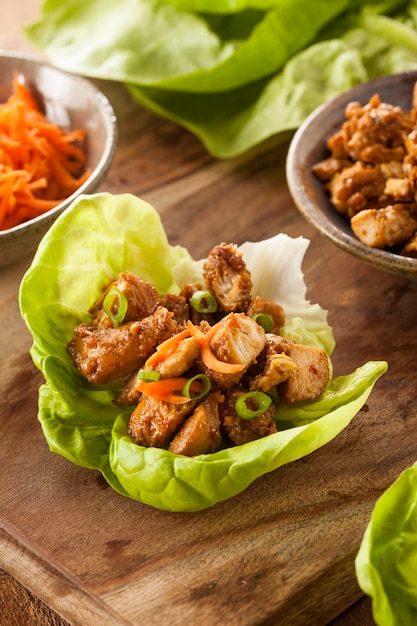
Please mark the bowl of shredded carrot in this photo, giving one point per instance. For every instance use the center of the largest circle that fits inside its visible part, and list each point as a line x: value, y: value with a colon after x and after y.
x: 58, y: 135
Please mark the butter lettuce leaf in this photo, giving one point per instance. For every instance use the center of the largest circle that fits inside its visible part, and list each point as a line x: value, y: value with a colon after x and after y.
x: 235, y: 72
x: 161, y: 46
x: 386, y: 564
x: 96, y: 238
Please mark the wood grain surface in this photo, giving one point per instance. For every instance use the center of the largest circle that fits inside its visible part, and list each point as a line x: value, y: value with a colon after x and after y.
x: 282, y: 552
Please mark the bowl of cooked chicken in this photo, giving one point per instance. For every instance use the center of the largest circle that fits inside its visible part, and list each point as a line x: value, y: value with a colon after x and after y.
x: 352, y: 172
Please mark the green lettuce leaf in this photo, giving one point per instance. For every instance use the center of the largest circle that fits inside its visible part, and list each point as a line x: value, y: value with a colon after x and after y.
x: 163, y: 47
x: 386, y: 564
x: 236, y: 72
x: 231, y: 123
x: 95, y: 239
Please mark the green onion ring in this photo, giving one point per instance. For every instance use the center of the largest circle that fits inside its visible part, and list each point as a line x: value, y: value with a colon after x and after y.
x: 203, y: 302
x: 149, y: 376
x: 263, y: 320
x: 257, y: 399
x: 186, y: 390
x: 115, y: 300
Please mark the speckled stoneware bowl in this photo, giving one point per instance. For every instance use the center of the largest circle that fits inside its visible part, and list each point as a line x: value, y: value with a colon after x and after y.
x: 308, y: 147
x: 72, y: 102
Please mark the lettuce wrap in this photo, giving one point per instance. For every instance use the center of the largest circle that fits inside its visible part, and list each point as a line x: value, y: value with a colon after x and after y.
x: 233, y: 72
x: 386, y: 564
x: 90, y: 244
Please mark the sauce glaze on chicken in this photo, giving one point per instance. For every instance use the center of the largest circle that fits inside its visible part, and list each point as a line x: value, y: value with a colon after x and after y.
x: 260, y: 360
x: 371, y: 174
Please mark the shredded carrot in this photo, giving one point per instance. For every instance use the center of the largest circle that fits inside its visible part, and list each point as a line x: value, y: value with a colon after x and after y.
x: 166, y: 348
x: 207, y: 355
x: 164, y: 389
x: 40, y: 163
x: 213, y: 363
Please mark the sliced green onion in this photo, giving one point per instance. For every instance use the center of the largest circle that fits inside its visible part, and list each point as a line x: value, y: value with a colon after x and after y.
x: 149, y: 376
x: 264, y: 320
x: 188, y: 392
x: 203, y: 302
x: 115, y: 305
x: 252, y: 404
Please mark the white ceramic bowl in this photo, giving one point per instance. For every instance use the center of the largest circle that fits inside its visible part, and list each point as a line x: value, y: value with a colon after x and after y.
x: 308, y: 147
x: 70, y: 101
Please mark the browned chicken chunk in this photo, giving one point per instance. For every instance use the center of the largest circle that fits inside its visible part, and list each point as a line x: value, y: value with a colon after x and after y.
x: 179, y: 361
x: 259, y: 305
x: 106, y: 354
x: 154, y: 423
x: 129, y: 394
x: 241, y: 431
x: 278, y: 366
x: 326, y: 169
x: 237, y: 339
x: 311, y: 376
x: 380, y: 228
x: 200, y: 434
x: 196, y: 317
x: 227, y: 278
x: 354, y: 187
x: 374, y: 124
x: 141, y: 296
x: 178, y: 305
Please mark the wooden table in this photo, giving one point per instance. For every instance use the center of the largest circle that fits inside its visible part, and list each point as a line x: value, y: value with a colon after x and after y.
x: 282, y: 552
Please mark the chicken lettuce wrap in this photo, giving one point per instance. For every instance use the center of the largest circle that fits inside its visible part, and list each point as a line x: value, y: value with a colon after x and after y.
x: 83, y: 417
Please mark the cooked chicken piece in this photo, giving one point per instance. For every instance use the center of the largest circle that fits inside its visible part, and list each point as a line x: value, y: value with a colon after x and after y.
x: 326, y: 169
x: 200, y: 433
x: 410, y: 171
x: 400, y: 189
x: 410, y: 143
x: 129, y: 394
x: 389, y: 226
x: 240, y: 430
x: 351, y: 189
x: 336, y: 145
x: 237, y: 339
x: 227, y: 278
x: 392, y: 169
x: 196, y: 317
x: 141, y: 296
x: 178, y: 361
x: 311, y: 376
x: 378, y: 154
x: 259, y: 305
x: 278, y: 365
x: 410, y: 248
x: 374, y: 124
x: 104, y: 355
x: 154, y: 423
x: 178, y: 305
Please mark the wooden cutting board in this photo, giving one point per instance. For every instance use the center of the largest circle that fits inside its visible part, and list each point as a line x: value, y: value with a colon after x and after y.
x: 282, y: 552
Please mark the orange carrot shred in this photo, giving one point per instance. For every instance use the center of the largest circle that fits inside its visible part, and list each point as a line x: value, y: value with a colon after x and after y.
x: 207, y: 355
x: 166, y: 348
x: 40, y: 163
x: 164, y: 389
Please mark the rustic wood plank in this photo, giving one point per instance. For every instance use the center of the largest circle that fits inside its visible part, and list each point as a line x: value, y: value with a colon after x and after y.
x: 19, y: 607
